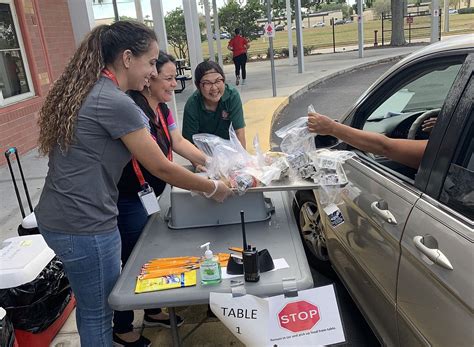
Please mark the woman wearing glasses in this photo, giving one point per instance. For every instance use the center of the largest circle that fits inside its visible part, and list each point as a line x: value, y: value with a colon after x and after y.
x: 214, y: 106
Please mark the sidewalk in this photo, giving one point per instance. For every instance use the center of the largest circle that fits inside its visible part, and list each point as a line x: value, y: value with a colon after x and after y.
x: 259, y: 109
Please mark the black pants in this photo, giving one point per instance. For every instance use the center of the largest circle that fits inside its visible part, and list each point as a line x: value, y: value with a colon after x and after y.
x: 239, y: 62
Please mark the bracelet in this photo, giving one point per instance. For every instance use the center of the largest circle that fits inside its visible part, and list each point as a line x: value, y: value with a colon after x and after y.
x: 216, y: 185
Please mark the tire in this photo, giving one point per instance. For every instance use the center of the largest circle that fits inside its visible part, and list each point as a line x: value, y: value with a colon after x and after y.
x: 309, y: 223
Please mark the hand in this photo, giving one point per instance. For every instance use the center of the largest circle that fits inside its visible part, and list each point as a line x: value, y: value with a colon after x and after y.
x: 428, y: 124
x: 221, y: 192
x: 200, y: 168
x: 320, y: 124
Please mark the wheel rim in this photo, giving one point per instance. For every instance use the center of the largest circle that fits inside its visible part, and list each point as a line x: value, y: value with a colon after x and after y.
x: 311, y: 230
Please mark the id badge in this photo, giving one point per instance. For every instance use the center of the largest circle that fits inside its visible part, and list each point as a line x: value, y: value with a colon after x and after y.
x: 148, y: 198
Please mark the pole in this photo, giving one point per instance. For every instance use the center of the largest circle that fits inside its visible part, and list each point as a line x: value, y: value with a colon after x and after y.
x: 446, y: 16
x: 434, y: 21
x: 360, y: 26
x: 196, y: 31
x: 116, y: 14
x: 190, y: 36
x: 217, y: 32
x: 138, y: 10
x: 272, y: 61
x: 299, y: 36
x: 160, y: 29
x: 210, y: 42
x: 333, y: 36
x: 291, y: 59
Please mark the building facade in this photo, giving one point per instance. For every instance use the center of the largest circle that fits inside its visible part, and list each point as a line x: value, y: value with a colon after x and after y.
x: 36, y: 42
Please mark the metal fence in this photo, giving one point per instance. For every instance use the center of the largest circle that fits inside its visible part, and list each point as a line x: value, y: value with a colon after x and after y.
x: 417, y: 26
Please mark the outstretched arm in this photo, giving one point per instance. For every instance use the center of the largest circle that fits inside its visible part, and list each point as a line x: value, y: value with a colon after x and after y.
x: 407, y: 152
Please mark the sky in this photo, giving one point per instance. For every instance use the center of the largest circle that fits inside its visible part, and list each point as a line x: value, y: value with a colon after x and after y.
x: 127, y: 7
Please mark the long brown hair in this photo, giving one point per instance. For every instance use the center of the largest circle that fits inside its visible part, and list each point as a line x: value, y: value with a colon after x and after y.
x: 100, y: 47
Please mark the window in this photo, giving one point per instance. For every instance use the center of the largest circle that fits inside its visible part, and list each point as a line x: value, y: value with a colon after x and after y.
x: 458, y: 188
x: 15, y: 80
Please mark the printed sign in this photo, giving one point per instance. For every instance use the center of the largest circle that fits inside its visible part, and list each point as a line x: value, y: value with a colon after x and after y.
x: 335, y: 215
x: 312, y: 318
x: 269, y: 30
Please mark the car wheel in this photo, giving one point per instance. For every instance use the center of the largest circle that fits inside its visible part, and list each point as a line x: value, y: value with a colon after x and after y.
x: 311, y: 230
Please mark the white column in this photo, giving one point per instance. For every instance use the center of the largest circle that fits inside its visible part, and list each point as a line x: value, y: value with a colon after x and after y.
x: 160, y: 30
x: 360, y: 26
x: 217, y: 32
x: 138, y: 10
x: 446, y: 16
x: 82, y: 18
x: 291, y: 59
x: 190, y: 35
x: 196, y: 30
x: 210, y: 41
x: 299, y: 36
x: 435, y: 21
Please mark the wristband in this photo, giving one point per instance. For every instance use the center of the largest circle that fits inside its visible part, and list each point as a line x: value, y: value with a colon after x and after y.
x: 216, y: 185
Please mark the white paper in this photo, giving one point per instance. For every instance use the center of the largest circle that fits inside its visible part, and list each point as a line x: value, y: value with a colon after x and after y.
x: 274, y: 321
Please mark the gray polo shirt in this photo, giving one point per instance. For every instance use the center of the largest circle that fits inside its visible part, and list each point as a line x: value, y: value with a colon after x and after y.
x: 80, y: 193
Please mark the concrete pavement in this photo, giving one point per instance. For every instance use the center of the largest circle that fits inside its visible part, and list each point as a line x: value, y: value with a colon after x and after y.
x: 259, y: 107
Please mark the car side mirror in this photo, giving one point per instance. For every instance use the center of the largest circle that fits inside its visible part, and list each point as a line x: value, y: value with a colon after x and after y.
x: 325, y: 141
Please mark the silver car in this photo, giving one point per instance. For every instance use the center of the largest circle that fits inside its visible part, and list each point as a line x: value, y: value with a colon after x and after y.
x: 405, y: 249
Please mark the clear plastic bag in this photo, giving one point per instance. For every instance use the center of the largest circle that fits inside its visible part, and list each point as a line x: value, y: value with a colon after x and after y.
x: 296, y: 135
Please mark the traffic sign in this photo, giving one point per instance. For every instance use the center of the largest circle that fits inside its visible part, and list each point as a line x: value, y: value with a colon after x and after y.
x: 269, y: 29
x: 299, y: 316
x: 410, y: 20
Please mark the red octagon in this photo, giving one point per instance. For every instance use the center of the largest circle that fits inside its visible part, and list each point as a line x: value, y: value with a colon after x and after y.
x: 299, y: 316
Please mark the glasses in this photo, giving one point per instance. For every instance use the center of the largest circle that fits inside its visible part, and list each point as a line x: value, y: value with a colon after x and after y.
x: 209, y: 84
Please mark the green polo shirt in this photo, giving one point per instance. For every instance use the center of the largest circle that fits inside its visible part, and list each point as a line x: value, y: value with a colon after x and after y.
x: 197, y: 119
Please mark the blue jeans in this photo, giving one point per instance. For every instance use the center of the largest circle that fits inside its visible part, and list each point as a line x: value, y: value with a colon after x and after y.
x: 92, y: 265
x: 132, y: 219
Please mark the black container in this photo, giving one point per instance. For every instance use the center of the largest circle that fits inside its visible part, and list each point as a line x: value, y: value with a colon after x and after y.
x: 251, y: 267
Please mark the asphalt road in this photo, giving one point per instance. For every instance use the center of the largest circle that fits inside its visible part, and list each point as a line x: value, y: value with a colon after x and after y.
x: 333, y: 98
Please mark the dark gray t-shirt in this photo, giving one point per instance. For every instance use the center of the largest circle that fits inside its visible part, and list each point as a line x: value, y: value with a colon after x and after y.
x: 80, y: 192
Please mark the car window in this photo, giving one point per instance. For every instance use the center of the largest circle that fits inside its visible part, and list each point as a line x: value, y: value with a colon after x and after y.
x: 458, y: 187
x: 424, y: 91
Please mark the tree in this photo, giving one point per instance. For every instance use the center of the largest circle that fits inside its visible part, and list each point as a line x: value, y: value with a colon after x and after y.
x: 233, y: 15
x: 381, y: 6
x: 398, y: 9
x: 176, y: 30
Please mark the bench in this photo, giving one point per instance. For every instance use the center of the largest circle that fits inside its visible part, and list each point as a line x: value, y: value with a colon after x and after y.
x: 182, y: 79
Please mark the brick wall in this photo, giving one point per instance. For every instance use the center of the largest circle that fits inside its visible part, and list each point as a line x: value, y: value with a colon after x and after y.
x: 49, y: 44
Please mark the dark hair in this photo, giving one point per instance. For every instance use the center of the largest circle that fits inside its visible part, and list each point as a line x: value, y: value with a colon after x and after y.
x: 100, y: 47
x: 237, y: 31
x: 164, y: 58
x: 204, y: 68
x: 123, y: 35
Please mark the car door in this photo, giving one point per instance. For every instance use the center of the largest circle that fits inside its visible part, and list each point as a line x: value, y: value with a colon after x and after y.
x: 435, y: 290
x: 365, y: 249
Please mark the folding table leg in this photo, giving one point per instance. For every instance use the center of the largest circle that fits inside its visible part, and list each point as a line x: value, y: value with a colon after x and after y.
x: 174, y: 327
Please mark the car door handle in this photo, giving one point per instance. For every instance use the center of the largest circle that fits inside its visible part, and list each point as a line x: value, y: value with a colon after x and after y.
x: 433, y: 254
x: 383, y: 212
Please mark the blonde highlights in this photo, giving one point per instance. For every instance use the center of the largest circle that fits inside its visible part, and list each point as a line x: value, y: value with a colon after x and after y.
x: 58, y: 114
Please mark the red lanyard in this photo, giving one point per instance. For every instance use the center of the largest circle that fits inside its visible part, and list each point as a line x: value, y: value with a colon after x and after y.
x: 110, y: 76
x: 165, y: 129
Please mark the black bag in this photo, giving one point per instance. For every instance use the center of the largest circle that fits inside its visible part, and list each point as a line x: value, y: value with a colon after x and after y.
x: 21, y: 230
x: 7, y: 337
x: 35, y: 305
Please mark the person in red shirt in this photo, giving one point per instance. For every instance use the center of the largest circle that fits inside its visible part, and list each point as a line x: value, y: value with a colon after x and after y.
x: 239, y: 45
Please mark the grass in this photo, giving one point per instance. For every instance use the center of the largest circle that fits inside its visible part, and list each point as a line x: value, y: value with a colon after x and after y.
x: 346, y: 34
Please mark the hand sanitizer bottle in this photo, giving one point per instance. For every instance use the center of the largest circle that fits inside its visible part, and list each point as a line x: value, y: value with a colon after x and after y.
x: 210, y: 268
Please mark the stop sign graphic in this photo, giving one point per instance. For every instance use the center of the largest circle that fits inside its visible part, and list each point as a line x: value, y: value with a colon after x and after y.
x: 299, y: 316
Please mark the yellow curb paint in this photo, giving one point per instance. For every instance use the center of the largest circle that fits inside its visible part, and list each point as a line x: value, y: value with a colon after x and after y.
x: 258, y: 115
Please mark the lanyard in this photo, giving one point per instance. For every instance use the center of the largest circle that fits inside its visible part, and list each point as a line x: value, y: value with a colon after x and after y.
x: 166, y: 130
x: 110, y: 76
x: 138, y: 172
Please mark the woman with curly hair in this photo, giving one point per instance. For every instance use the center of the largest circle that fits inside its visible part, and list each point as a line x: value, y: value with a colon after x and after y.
x: 90, y: 128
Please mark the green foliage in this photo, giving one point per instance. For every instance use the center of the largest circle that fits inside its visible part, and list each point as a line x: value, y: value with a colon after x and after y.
x: 233, y: 15
x: 176, y: 31
x: 466, y: 10
x: 381, y: 6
